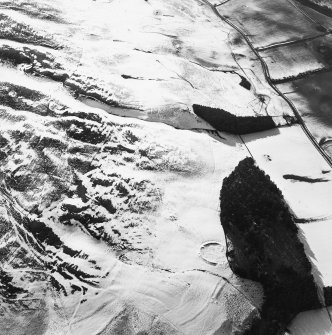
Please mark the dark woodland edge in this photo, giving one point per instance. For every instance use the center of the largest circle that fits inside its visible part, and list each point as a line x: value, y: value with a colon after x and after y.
x: 262, y: 245
x: 224, y: 121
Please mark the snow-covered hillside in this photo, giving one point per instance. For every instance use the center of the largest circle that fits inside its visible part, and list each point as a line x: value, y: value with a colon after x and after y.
x: 109, y: 182
x: 110, y: 224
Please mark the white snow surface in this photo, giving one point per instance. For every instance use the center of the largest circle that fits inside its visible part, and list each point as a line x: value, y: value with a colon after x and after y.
x: 164, y: 282
x: 318, y: 236
x: 153, y: 59
x: 287, y: 151
x: 316, y: 322
x: 156, y: 58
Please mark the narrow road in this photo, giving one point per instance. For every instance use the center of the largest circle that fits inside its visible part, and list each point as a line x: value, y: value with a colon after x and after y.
x: 270, y: 82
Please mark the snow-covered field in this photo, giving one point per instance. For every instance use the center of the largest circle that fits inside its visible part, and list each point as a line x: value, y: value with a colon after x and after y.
x: 318, y: 236
x: 311, y: 95
x: 316, y: 322
x: 297, y: 59
x: 286, y: 153
x: 269, y: 23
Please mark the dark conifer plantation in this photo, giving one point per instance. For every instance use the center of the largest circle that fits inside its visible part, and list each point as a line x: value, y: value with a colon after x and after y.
x: 263, y: 245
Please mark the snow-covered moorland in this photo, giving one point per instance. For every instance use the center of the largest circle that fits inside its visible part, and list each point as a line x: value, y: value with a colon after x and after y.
x: 109, y: 182
x: 111, y: 224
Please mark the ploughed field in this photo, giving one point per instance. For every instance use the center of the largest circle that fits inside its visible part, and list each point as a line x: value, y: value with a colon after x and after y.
x: 109, y: 181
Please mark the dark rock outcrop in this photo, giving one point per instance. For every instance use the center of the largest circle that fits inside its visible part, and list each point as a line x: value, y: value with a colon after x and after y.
x: 262, y: 245
x: 20, y: 32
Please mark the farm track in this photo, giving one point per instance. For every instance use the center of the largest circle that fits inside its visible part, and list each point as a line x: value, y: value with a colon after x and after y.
x: 298, y: 41
x: 270, y: 82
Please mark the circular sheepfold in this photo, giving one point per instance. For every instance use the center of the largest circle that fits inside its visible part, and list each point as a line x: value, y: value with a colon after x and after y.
x: 212, y: 252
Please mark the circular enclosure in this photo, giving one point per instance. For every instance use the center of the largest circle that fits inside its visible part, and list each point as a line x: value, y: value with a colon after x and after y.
x: 213, y: 252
